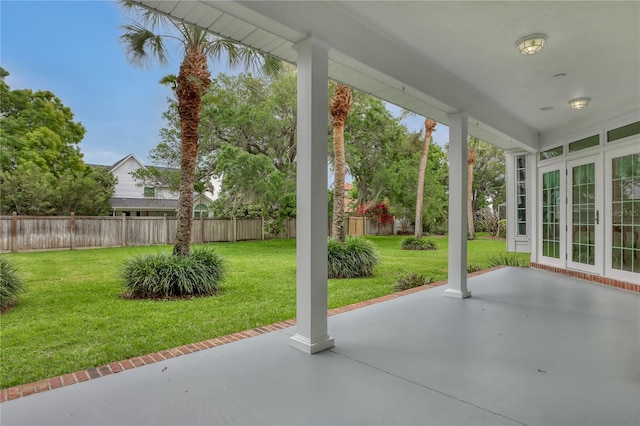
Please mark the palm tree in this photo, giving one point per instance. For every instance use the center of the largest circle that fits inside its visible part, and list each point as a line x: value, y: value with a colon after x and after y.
x: 471, y: 159
x: 429, y: 128
x: 143, y: 45
x: 340, y: 105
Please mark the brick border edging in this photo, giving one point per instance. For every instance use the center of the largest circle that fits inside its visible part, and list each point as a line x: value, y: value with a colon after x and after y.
x: 589, y: 277
x: 68, y: 379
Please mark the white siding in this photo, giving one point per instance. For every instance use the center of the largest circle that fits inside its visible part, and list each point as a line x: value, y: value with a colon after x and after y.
x: 126, y: 186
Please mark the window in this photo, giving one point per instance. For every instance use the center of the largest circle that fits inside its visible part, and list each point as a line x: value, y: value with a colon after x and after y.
x: 625, y: 210
x: 200, y: 211
x: 149, y: 192
x: 584, y: 143
x: 623, y: 132
x: 551, y: 153
x: 521, y: 195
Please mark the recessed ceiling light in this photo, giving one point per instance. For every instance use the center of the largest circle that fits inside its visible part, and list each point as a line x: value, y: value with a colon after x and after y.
x: 560, y: 75
x: 547, y: 108
x: 533, y: 43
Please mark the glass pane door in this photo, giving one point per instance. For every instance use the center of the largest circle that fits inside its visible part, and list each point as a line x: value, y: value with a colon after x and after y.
x: 551, y: 214
x: 583, y: 251
x: 625, y: 209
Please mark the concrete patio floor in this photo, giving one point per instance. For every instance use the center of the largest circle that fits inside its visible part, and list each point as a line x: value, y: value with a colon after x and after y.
x: 529, y: 347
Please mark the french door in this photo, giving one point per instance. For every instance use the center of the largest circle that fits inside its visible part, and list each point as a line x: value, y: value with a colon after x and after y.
x: 571, y: 223
x: 584, y: 210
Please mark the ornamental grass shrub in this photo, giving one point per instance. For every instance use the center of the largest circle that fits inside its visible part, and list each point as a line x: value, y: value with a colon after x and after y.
x: 411, y: 280
x: 354, y: 258
x: 509, y: 259
x: 413, y: 243
x: 11, y: 284
x: 163, y: 275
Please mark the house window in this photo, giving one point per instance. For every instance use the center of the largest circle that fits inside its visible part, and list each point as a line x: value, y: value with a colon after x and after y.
x: 623, y: 132
x: 521, y: 194
x: 551, y: 153
x: 149, y: 192
x: 625, y: 210
x: 584, y: 143
x: 200, y: 211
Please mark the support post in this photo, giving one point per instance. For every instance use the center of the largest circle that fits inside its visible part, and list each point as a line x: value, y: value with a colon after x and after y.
x: 457, y: 281
x: 312, y: 221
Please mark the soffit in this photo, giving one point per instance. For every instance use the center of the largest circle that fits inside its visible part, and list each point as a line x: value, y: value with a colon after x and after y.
x: 442, y: 57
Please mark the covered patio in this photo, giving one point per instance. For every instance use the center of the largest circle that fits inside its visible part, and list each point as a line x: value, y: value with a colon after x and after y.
x: 529, y: 348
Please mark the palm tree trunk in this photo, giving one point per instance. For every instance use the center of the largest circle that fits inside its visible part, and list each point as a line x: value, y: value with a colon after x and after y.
x: 340, y: 105
x: 471, y: 158
x: 429, y: 126
x: 193, y: 79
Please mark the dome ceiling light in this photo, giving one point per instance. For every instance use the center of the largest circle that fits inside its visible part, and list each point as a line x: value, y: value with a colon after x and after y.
x: 579, y: 103
x: 531, y: 44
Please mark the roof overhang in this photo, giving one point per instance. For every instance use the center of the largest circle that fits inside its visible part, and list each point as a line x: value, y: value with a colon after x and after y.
x: 453, y: 57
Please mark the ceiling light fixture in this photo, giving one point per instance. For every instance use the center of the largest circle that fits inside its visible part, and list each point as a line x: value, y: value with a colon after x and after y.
x: 531, y: 44
x: 579, y: 103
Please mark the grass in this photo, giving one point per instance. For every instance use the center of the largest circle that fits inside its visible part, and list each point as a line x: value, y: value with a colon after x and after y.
x: 72, y: 316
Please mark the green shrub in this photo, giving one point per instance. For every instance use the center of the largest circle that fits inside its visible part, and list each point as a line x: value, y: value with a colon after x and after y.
x: 10, y: 284
x: 411, y: 280
x: 509, y: 259
x: 413, y: 243
x: 354, y: 258
x: 163, y: 275
x: 473, y: 267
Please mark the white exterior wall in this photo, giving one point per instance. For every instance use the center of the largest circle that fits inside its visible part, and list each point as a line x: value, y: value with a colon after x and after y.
x: 126, y: 186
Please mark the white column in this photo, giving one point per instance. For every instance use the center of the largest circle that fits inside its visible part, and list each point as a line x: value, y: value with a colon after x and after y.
x: 312, y: 219
x: 457, y: 281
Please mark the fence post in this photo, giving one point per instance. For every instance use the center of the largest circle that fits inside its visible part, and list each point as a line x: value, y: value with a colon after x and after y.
x: 123, y: 230
x: 262, y: 226
x: 235, y: 230
x: 165, y: 229
x: 201, y: 228
x: 14, y: 232
x: 73, y: 230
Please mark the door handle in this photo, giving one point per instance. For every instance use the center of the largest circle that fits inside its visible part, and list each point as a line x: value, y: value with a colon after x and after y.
x: 597, y: 217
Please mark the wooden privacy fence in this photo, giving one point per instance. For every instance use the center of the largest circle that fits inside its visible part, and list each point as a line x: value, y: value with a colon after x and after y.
x: 25, y: 233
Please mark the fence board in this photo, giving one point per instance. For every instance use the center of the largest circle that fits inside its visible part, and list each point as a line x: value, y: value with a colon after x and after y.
x: 55, y: 232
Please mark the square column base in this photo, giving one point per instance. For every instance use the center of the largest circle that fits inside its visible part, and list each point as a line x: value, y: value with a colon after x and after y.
x: 302, y: 343
x: 457, y: 293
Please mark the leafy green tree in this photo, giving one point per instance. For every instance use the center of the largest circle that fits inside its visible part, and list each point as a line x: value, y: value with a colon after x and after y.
x: 403, y: 183
x: 28, y: 190
x: 373, y: 138
x: 41, y: 166
x: 37, y: 128
x: 143, y: 44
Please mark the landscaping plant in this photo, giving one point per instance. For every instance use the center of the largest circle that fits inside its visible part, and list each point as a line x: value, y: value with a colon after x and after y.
x: 161, y: 275
x: 509, y: 259
x: 10, y: 284
x: 413, y: 243
x: 411, y: 280
x: 353, y: 258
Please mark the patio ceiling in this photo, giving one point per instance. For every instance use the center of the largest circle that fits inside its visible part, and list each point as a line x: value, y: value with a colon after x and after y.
x: 437, y: 58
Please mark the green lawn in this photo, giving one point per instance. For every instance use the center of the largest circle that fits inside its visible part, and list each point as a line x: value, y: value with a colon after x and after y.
x: 72, y: 316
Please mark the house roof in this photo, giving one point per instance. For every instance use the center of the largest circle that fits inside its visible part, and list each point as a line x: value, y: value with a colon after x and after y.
x: 442, y: 57
x: 143, y: 203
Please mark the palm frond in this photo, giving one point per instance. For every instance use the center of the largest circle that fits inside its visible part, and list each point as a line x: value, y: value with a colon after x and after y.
x: 142, y: 46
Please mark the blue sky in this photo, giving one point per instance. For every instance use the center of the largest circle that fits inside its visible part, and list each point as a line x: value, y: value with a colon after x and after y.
x: 72, y: 49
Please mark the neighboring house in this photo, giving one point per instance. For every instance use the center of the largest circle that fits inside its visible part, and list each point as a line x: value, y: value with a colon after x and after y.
x: 134, y: 199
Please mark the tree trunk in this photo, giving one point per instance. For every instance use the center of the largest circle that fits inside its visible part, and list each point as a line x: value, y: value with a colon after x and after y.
x: 471, y: 158
x: 193, y: 79
x: 429, y: 126
x: 340, y: 105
